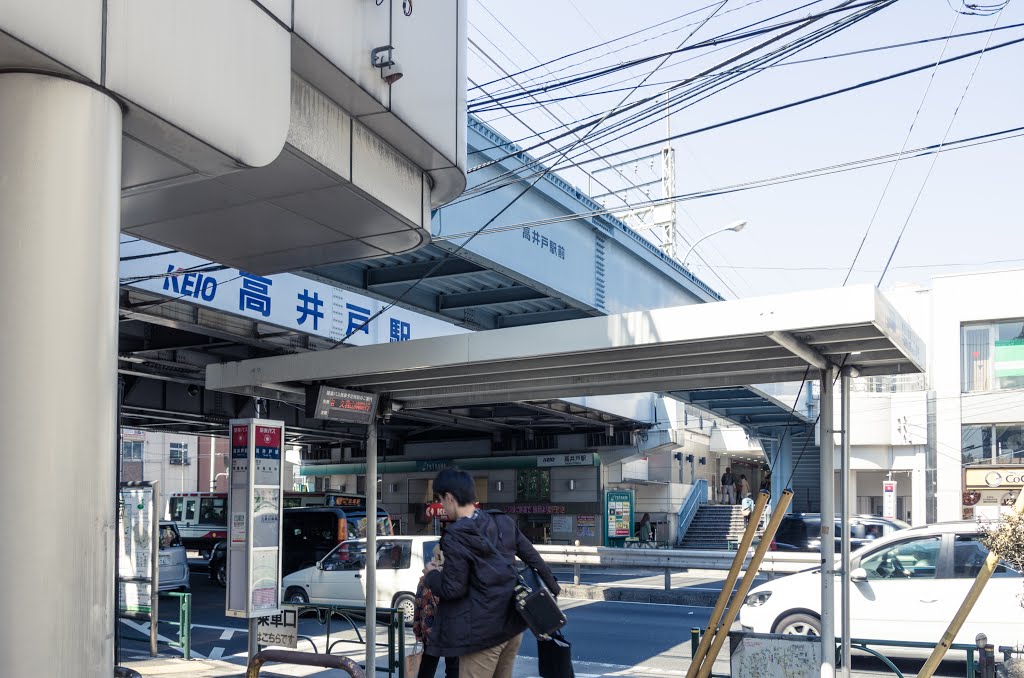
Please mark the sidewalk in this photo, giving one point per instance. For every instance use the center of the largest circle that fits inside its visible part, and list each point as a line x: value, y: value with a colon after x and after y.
x: 526, y: 667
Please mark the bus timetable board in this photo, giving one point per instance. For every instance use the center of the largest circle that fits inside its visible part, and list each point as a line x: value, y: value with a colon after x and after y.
x: 337, y: 404
x: 255, y: 507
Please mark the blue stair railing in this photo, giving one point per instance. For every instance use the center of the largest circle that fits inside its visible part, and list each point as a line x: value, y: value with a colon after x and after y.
x: 697, y: 497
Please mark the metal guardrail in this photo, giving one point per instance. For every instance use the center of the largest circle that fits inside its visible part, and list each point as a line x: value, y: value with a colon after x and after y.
x: 775, y: 562
x: 326, y: 661
x: 697, y: 497
x: 395, y: 632
x: 863, y: 644
x: 184, y: 623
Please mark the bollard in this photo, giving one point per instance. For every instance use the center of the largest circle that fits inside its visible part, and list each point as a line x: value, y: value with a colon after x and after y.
x: 694, y: 641
x: 668, y: 579
x: 988, y: 662
x: 576, y: 569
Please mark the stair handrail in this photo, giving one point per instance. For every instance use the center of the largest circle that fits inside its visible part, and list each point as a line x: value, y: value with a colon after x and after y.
x: 697, y: 497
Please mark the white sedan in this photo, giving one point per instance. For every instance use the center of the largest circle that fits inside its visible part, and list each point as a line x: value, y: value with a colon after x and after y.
x: 906, y: 586
x: 338, y: 579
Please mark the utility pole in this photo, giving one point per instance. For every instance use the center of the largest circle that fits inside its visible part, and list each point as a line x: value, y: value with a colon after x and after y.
x: 663, y: 216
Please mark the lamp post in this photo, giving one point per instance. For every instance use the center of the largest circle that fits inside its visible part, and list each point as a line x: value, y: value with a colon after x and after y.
x: 736, y: 227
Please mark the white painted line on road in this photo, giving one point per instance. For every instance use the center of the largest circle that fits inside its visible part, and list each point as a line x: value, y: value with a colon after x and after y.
x: 216, y: 653
x: 228, y: 633
x: 587, y: 601
x: 144, y: 630
x: 616, y: 669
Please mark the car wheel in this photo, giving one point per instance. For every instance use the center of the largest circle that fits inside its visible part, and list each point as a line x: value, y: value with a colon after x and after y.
x: 220, y: 574
x: 800, y: 624
x: 407, y: 605
x: 296, y: 596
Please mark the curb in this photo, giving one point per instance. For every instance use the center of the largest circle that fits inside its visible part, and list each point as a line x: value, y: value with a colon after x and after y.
x: 628, y: 595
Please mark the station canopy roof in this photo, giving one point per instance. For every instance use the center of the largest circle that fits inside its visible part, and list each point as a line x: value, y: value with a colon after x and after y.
x: 760, y: 340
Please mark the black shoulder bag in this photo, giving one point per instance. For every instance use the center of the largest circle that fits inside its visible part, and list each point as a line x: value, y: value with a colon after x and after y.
x: 533, y: 599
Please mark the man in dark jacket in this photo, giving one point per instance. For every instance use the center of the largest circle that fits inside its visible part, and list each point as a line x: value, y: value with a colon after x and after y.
x: 476, y: 619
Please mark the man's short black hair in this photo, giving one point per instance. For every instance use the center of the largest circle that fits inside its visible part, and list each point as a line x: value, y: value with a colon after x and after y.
x: 458, y: 483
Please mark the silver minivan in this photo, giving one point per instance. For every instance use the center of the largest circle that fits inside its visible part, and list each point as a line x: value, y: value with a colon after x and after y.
x: 173, y: 560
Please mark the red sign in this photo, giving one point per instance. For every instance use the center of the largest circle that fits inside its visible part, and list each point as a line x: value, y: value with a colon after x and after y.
x: 239, y: 436
x: 436, y: 510
x: 268, y: 436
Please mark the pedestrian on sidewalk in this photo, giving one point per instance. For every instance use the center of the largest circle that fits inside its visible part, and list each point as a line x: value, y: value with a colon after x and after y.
x: 424, y: 627
x: 728, y: 487
x: 744, y: 488
x: 645, y: 529
x: 477, y: 621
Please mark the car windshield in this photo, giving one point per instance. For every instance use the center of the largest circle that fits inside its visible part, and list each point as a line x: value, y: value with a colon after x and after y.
x: 912, y: 558
x: 348, y: 555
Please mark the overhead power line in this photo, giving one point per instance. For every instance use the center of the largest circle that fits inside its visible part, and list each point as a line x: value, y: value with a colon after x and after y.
x: 775, y: 109
x: 959, y: 144
x: 621, y: 109
x: 514, y: 176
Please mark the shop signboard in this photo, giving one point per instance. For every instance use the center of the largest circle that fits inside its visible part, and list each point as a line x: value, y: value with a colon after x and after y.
x: 990, y: 491
x: 578, y: 459
x: 618, y: 512
x: 561, y: 524
x: 586, y: 525
x: 254, y: 539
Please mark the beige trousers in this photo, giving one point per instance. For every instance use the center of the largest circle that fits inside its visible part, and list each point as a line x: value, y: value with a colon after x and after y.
x: 496, y: 662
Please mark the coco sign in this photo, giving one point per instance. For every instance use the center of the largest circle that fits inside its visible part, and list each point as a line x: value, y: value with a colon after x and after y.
x: 994, y: 478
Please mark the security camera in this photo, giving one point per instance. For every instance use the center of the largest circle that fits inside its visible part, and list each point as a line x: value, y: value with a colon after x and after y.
x: 392, y: 73
x: 383, y: 58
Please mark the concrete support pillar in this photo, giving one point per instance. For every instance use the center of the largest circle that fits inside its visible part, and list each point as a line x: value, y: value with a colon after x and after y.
x: 60, y: 178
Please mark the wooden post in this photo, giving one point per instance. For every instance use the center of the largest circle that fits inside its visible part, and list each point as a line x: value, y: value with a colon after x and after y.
x: 748, y: 579
x: 965, y: 608
x: 730, y: 582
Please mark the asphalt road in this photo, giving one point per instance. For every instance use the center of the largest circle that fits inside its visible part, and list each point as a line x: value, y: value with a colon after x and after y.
x: 607, y: 637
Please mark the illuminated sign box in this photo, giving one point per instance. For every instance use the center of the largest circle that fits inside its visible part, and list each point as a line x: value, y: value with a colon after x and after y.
x: 338, y: 404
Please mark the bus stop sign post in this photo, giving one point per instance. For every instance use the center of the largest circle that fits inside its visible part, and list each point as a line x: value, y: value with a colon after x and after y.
x: 255, y: 502
x: 138, y: 565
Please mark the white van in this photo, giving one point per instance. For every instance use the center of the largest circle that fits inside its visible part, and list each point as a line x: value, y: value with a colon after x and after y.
x: 337, y: 579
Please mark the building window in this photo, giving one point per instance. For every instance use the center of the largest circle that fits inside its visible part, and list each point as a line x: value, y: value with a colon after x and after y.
x: 992, y: 443
x: 131, y: 450
x: 533, y: 485
x: 992, y: 356
x: 179, y: 453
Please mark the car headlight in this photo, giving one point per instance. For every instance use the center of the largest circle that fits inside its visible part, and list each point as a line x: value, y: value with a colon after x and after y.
x: 757, y: 599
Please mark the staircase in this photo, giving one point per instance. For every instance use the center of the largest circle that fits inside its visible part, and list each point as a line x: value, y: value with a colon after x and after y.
x: 806, y: 472
x: 714, y: 526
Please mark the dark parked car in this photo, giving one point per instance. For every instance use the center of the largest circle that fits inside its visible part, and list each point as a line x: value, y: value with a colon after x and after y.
x: 218, y: 566
x: 802, y: 531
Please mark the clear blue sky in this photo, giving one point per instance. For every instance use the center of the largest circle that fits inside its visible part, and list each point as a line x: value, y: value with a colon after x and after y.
x: 969, y: 212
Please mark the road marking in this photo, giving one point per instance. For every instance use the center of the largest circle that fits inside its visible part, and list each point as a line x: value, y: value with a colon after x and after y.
x: 144, y: 630
x: 579, y: 602
x: 216, y: 653
x: 228, y: 633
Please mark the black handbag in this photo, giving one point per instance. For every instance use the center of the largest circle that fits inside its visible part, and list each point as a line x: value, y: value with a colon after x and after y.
x: 533, y: 600
x: 535, y: 604
x: 554, y: 657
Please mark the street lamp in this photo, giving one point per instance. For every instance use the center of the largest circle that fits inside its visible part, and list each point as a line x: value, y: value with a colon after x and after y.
x: 736, y: 227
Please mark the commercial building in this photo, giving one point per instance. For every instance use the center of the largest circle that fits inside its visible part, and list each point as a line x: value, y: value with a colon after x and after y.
x: 951, y: 440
